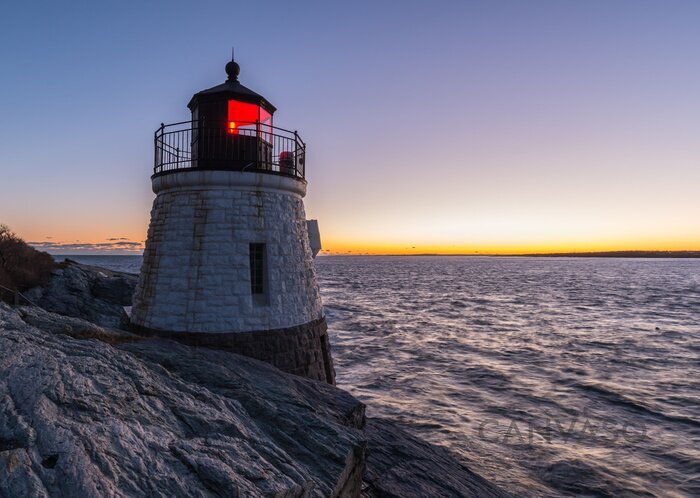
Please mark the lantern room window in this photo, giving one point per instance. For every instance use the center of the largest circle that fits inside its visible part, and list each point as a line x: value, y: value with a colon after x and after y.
x: 247, y: 116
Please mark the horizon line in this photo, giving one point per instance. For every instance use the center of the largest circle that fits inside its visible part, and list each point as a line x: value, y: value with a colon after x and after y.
x: 689, y: 253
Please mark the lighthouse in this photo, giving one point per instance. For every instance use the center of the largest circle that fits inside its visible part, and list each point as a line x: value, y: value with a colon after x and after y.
x: 229, y: 258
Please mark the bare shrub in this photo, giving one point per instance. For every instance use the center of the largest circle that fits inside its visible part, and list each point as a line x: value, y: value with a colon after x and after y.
x: 21, y: 266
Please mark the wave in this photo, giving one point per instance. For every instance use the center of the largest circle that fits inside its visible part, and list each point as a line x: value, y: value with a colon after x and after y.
x: 622, y: 400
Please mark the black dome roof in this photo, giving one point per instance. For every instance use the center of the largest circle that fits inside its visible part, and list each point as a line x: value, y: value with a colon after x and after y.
x: 231, y: 89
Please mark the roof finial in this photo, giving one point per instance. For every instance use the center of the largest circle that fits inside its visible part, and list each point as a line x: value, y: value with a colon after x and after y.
x: 232, y: 68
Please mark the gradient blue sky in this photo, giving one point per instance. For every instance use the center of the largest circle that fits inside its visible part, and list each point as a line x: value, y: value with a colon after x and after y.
x: 491, y: 126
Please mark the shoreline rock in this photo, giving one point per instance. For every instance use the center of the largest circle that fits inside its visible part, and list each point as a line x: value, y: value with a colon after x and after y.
x: 80, y: 417
x: 87, y: 409
x: 400, y: 464
x: 89, y: 292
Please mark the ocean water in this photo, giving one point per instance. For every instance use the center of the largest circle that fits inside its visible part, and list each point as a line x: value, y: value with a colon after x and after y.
x: 128, y: 264
x: 550, y: 377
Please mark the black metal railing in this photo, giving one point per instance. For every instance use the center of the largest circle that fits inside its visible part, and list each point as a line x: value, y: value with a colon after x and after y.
x: 250, y: 147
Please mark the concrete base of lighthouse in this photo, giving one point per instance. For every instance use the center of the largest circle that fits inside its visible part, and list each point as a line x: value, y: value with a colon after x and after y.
x: 302, y: 350
x: 195, y: 282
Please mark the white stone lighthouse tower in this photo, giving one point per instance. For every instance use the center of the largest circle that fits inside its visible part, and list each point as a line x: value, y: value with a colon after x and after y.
x: 228, y: 262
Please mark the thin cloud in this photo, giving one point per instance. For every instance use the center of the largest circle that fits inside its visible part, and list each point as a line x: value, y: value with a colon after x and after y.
x: 116, y: 245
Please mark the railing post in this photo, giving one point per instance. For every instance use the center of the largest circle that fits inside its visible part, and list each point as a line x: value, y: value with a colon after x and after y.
x: 155, y: 146
x: 296, y: 154
x: 16, y: 297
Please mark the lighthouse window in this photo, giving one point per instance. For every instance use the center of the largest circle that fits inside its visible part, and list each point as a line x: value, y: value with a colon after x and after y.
x: 251, y: 117
x: 257, y: 269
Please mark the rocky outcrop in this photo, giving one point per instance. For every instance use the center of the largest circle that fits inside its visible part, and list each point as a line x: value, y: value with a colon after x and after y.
x: 88, y: 292
x: 401, y: 465
x: 73, y: 327
x: 80, y: 417
x: 88, y: 410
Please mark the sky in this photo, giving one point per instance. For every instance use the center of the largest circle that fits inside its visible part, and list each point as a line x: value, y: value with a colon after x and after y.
x: 432, y: 127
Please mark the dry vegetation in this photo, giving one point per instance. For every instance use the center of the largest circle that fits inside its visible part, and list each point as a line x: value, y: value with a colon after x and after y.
x: 21, y: 266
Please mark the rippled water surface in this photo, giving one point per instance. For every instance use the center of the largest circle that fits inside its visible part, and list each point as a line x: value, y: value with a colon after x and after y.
x: 550, y: 377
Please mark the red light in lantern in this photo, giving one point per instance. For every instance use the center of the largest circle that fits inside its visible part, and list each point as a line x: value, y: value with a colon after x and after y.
x: 247, y: 116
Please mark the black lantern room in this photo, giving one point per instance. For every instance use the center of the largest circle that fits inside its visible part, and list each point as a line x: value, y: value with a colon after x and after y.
x: 231, y: 105
x: 231, y: 129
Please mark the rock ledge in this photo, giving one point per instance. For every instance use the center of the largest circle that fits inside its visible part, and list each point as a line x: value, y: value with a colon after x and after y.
x: 90, y: 410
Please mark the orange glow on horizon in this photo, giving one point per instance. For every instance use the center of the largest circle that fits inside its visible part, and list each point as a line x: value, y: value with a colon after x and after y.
x: 331, y: 247
x: 341, y: 238
x: 347, y: 247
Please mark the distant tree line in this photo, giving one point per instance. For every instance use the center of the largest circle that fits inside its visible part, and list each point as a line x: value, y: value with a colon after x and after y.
x: 21, y: 266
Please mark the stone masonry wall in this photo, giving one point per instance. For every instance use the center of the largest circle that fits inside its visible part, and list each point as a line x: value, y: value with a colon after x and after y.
x: 302, y: 350
x: 196, y: 276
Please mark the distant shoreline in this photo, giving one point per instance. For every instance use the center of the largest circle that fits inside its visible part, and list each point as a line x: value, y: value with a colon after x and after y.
x: 615, y: 254
x: 600, y: 254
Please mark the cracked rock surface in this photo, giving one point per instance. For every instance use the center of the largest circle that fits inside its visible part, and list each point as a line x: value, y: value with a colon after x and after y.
x: 90, y: 410
x: 80, y: 417
x: 400, y: 465
x: 88, y: 292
